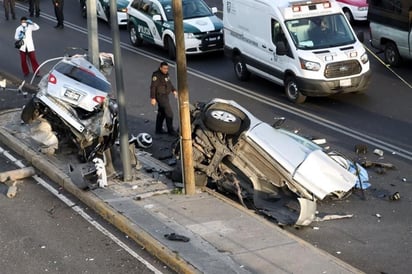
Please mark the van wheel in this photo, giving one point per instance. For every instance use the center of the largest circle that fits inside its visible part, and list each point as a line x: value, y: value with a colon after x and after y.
x: 171, y: 48
x: 240, y: 69
x: 292, y: 90
x: 134, y: 37
x: 223, y: 120
x: 392, y: 56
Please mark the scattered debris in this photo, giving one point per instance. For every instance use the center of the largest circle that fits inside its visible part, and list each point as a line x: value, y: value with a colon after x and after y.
x: 404, y: 180
x: 378, y: 152
x: 321, y: 141
x: 176, y: 237
x: 378, y: 215
x: 332, y: 217
x: 361, y: 149
x: 395, y: 196
x: 10, y: 179
x: 367, y: 163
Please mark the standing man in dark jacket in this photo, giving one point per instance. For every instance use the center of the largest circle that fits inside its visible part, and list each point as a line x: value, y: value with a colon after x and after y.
x: 58, y: 10
x: 34, y: 6
x: 160, y: 89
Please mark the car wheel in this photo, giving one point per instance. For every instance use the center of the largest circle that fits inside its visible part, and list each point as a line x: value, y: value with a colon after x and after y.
x: 292, y: 90
x: 30, y: 112
x: 134, y: 37
x: 348, y: 15
x: 222, y: 120
x: 171, y: 48
x: 392, y: 56
x: 241, y: 70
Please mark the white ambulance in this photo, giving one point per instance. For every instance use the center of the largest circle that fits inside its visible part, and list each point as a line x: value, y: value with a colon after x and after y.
x: 308, y: 47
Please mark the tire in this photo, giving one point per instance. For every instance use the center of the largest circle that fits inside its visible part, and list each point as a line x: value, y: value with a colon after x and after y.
x: 348, y: 15
x: 223, y: 120
x: 392, y: 56
x: 292, y: 90
x: 171, y: 48
x: 30, y: 112
x: 241, y: 70
x: 134, y: 37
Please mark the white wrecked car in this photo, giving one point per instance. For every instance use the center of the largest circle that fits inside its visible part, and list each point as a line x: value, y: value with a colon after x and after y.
x: 281, y: 173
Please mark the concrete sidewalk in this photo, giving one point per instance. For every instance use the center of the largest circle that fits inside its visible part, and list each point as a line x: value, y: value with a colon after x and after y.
x: 223, y: 236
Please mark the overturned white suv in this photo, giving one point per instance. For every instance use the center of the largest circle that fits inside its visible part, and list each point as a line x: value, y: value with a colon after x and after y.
x: 281, y: 173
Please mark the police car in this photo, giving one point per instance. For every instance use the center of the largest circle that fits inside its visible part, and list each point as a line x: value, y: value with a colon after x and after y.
x: 103, y: 10
x: 151, y: 21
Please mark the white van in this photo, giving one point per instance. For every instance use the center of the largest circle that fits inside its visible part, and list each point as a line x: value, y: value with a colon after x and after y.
x: 307, y: 46
x: 391, y: 29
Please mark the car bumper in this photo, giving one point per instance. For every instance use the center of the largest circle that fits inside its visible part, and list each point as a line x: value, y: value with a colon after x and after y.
x: 208, y: 43
x: 314, y: 87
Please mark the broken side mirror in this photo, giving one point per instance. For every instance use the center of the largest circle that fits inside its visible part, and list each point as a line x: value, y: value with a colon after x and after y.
x: 278, y: 122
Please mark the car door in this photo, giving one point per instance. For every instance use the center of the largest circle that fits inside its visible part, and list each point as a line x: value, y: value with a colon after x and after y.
x: 155, y: 22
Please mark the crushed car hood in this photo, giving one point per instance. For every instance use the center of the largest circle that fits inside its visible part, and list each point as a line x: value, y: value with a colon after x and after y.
x: 309, y: 165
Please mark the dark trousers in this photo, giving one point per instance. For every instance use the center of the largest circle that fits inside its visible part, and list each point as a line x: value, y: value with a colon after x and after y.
x: 34, y: 6
x: 164, y: 112
x: 9, y: 8
x: 23, y: 60
x: 58, y: 11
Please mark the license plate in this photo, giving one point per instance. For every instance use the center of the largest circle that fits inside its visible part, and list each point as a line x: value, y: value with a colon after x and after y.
x: 72, y: 95
x: 345, y: 83
x: 212, y: 39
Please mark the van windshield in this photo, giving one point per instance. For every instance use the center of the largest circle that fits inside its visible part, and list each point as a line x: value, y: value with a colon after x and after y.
x: 320, y: 32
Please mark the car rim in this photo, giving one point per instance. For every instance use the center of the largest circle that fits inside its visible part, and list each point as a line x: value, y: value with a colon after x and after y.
x: 292, y: 90
x: 239, y: 68
x: 223, y: 116
x: 133, y: 36
x: 390, y: 54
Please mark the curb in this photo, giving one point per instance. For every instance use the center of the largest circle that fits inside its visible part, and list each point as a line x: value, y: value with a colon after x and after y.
x: 160, y: 251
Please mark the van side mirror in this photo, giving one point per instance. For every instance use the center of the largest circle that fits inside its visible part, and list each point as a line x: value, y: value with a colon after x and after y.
x: 361, y: 36
x: 157, y: 17
x: 281, y: 48
x: 214, y: 10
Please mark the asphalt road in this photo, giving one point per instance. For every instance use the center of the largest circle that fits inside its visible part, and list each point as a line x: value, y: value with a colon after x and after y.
x: 379, y: 119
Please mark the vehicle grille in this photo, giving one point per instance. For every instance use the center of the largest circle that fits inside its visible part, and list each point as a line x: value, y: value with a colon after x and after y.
x: 342, y: 69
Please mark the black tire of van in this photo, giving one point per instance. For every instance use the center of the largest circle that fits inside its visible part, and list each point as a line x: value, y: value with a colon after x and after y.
x: 240, y: 69
x: 292, y: 90
x: 171, y: 48
x: 134, y: 36
x: 392, y: 56
x: 212, y: 122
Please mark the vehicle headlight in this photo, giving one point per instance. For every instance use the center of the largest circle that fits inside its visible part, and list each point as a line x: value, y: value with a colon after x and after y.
x: 364, y: 58
x: 122, y: 9
x: 309, y: 65
x: 189, y: 36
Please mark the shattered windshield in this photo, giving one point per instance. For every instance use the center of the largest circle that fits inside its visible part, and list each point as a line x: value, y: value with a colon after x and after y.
x: 320, y: 32
x: 190, y: 8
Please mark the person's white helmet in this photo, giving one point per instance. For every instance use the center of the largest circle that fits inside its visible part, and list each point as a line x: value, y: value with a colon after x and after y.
x: 144, y: 140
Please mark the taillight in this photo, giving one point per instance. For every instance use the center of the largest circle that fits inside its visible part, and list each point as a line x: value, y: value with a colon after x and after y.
x: 99, y: 99
x: 52, y: 79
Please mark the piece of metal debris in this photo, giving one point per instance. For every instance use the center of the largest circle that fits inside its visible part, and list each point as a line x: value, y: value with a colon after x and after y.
x: 395, y: 196
x: 378, y: 152
x: 332, y: 217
